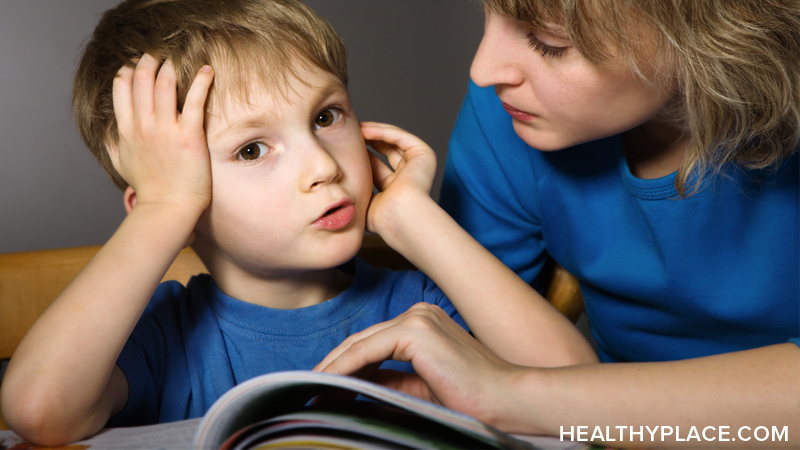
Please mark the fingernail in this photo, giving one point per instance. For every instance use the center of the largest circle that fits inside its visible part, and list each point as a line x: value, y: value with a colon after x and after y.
x: 205, y: 69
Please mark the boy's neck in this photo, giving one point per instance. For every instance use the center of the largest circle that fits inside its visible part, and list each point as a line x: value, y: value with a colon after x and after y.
x: 283, y: 291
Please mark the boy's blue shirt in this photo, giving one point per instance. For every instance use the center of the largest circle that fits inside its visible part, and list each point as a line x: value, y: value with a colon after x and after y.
x: 194, y: 343
x: 663, y: 278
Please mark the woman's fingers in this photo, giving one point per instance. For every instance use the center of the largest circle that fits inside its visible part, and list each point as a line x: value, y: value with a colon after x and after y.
x: 354, y: 338
x: 410, y: 383
x: 383, y: 341
x: 447, y: 360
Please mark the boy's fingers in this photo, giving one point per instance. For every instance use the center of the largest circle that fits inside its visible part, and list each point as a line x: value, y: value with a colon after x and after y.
x: 144, y: 78
x: 122, y: 94
x: 166, y: 96
x: 380, y: 171
x: 194, y: 108
x: 391, y: 135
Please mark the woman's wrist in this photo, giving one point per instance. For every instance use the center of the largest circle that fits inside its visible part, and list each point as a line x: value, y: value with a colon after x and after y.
x: 517, y: 399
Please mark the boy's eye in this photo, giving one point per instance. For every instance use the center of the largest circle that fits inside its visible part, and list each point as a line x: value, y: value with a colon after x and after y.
x: 252, y: 151
x: 327, y: 118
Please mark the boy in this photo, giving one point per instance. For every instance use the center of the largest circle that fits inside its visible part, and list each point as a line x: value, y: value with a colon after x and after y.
x: 276, y: 224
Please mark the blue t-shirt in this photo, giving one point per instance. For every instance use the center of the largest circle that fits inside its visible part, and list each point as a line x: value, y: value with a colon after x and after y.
x: 663, y: 278
x: 194, y: 343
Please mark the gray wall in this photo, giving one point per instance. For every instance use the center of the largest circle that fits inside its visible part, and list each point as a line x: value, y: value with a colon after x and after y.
x: 409, y: 64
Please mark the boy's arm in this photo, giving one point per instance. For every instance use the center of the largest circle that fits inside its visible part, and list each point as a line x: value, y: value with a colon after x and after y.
x: 62, y: 383
x: 503, y: 312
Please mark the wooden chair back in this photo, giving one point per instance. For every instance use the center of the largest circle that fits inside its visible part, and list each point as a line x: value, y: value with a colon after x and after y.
x: 30, y: 281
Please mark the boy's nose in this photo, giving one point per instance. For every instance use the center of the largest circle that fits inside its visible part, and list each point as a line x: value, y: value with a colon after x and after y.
x: 320, y: 168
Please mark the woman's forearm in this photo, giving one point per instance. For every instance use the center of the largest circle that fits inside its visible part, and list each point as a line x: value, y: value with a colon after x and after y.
x: 718, y: 395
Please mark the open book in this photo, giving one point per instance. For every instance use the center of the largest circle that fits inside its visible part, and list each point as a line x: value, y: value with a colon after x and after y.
x: 273, y: 411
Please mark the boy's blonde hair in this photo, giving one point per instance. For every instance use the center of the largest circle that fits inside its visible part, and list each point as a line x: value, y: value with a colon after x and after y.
x: 735, y: 63
x: 257, y: 41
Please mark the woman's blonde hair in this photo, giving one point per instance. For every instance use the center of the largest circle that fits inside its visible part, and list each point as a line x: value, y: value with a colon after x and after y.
x: 736, y: 65
x: 257, y: 41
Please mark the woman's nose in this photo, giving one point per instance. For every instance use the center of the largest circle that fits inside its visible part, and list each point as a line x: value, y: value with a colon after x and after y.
x: 495, y: 61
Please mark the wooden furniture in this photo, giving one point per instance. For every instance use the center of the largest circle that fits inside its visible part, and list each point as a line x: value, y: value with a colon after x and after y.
x: 30, y: 281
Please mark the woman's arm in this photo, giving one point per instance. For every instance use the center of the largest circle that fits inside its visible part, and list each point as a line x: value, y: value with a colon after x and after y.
x: 750, y: 388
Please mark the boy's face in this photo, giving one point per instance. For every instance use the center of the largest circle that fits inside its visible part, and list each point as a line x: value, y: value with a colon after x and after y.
x: 291, y: 178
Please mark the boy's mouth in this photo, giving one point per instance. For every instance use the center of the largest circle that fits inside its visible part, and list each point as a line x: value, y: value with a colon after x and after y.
x: 336, y: 217
x: 332, y: 210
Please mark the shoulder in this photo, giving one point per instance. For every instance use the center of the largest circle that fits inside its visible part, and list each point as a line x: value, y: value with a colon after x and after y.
x: 398, y: 290
x: 402, y: 288
x: 172, y: 303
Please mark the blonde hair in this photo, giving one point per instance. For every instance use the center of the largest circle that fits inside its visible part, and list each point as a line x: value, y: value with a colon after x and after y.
x: 735, y: 64
x: 257, y: 41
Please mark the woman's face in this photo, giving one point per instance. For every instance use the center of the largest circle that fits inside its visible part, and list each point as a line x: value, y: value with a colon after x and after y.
x: 558, y: 99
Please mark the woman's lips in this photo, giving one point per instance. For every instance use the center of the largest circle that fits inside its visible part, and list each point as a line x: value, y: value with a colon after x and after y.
x: 336, y: 218
x: 518, y: 114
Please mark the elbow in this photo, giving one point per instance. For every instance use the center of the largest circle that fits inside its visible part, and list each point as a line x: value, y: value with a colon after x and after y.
x: 35, y: 419
x: 572, y: 355
x: 581, y: 354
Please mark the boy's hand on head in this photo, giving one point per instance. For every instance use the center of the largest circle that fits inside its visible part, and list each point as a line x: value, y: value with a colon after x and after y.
x: 413, y: 169
x: 162, y: 153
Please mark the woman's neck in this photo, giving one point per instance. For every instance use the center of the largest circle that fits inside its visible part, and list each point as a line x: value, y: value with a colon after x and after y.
x: 654, y: 150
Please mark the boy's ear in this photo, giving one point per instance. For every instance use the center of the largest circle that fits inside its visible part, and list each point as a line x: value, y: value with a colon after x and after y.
x: 113, y: 153
x: 129, y: 198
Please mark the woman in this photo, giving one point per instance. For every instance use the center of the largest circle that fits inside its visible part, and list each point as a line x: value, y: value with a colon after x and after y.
x: 650, y: 148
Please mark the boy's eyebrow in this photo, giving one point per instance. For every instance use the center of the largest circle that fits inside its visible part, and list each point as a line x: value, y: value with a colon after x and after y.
x: 264, y: 120
x: 254, y: 122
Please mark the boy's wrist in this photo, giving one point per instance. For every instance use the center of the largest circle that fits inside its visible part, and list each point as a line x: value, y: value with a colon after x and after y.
x: 180, y: 219
x: 398, y: 219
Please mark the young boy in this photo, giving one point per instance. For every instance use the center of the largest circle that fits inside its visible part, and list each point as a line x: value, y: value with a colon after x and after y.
x: 277, y: 225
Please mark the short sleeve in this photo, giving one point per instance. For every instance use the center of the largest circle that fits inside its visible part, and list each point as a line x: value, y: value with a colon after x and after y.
x: 143, y: 359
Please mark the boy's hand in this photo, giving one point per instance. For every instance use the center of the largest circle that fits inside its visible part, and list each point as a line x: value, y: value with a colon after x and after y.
x: 162, y: 153
x: 414, y: 165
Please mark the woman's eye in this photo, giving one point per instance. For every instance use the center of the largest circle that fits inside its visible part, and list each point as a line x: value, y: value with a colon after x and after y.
x: 547, y: 51
x: 252, y: 151
x: 327, y: 118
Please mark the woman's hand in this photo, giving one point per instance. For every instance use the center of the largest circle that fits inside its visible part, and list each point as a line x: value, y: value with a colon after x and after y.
x: 452, y: 368
x: 410, y: 178
x: 162, y: 153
